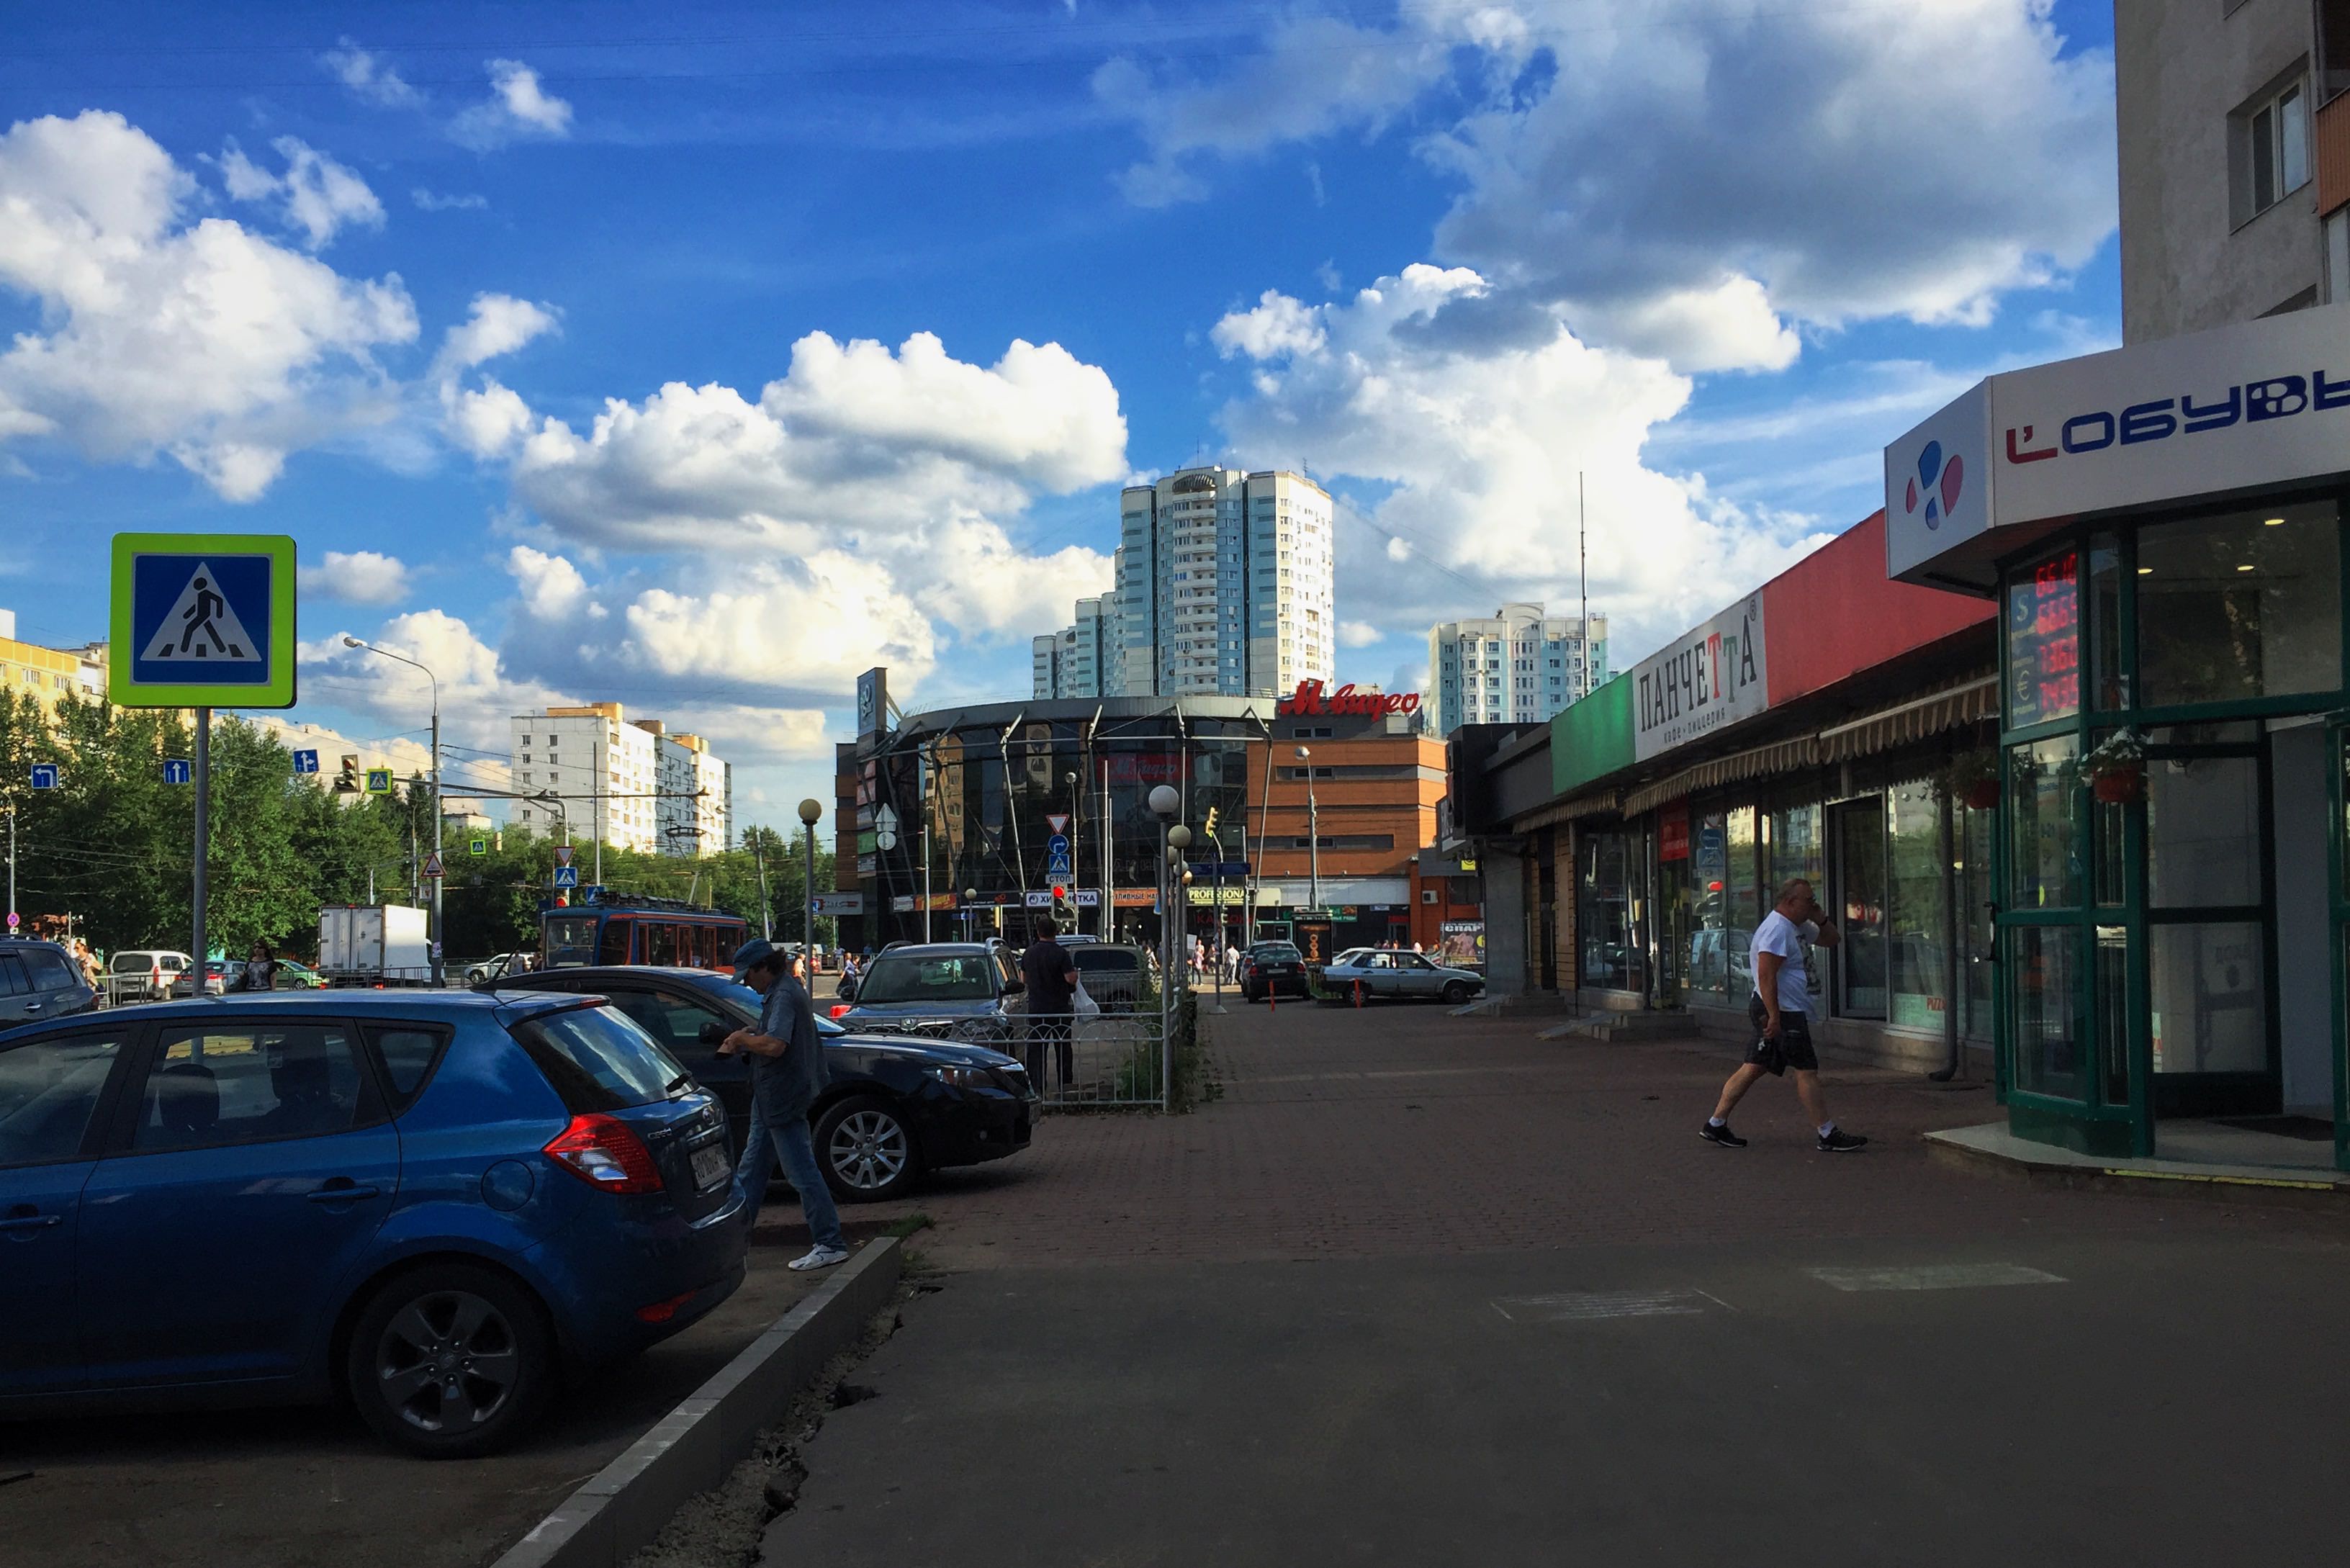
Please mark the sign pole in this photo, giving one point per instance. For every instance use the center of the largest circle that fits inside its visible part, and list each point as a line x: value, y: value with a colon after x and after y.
x: 203, y: 782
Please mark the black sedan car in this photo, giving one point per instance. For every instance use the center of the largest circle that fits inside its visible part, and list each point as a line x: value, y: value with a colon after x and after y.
x: 1270, y: 967
x: 897, y: 1106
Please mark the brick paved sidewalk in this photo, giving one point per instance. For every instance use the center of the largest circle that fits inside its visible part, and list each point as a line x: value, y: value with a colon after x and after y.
x: 1400, y: 1131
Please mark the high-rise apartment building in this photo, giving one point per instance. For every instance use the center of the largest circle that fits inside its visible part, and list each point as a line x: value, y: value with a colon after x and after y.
x: 1517, y: 666
x: 1224, y: 584
x: 1081, y: 660
x: 621, y: 781
x: 2235, y: 159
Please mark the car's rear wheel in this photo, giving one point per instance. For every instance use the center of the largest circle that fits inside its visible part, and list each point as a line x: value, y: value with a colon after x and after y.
x: 1456, y: 993
x: 451, y: 1360
x: 867, y: 1150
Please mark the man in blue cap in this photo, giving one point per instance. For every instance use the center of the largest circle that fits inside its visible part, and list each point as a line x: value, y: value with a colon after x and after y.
x: 787, y: 1072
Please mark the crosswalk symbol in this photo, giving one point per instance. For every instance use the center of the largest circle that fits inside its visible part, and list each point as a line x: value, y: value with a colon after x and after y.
x: 481, y: 847
x: 566, y: 875
x: 201, y: 626
x: 379, y: 781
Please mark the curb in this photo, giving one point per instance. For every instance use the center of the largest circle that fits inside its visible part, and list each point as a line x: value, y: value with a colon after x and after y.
x: 2099, y: 1177
x: 623, y: 1506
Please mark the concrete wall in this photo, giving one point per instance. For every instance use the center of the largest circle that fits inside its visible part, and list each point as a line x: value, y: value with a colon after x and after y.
x: 1506, y: 967
x: 2181, y: 68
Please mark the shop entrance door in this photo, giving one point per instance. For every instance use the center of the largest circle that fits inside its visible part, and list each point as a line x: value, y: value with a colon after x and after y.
x: 1676, y: 904
x: 1856, y: 903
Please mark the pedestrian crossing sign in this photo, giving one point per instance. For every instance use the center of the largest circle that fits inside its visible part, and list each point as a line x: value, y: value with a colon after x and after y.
x: 379, y: 781
x: 202, y: 621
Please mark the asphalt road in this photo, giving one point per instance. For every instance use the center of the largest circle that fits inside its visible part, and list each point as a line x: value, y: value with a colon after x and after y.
x: 1900, y: 1363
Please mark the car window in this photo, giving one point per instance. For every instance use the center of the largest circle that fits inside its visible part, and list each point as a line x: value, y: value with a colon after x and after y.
x: 130, y: 963
x: 11, y: 976
x: 570, y: 941
x: 406, y: 1051
x: 951, y: 977
x: 599, y: 1059
x: 1420, y: 961
x: 49, y: 971
x: 241, y: 1082
x: 673, y: 1021
x: 48, y: 1091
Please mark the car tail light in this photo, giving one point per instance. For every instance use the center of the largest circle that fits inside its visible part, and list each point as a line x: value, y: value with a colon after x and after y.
x: 603, y: 1153
x: 840, y: 1007
x: 661, y: 1312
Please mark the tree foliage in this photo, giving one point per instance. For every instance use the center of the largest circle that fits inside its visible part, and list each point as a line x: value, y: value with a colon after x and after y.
x: 113, y: 846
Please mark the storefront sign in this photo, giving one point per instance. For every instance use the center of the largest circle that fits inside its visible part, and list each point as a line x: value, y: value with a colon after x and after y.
x: 840, y: 903
x: 1672, y: 834
x: 1461, y: 944
x: 1311, y: 698
x: 2257, y: 403
x: 872, y: 702
x: 1703, y: 681
x: 2043, y: 641
x: 1134, y: 899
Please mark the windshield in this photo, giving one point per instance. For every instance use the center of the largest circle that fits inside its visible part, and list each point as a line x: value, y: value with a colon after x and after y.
x: 929, y: 977
x: 570, y: 941
x: 599, y: 1059
x: 1275, y: 951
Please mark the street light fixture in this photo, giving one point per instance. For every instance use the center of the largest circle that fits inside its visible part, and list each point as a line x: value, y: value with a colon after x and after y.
x: 350, y: 641
x: 810, y: 811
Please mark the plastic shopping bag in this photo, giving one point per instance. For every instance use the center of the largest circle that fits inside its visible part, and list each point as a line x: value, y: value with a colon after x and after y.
x: 1082, y: 1005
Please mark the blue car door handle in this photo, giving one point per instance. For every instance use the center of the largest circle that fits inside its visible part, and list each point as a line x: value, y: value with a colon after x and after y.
x: 340, y: 1190
x: 23, y: 1218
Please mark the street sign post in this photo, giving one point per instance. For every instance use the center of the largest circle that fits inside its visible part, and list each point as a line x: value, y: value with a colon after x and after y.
x: 177, y: 771
x: 45, y: 775
x: 432, y: 867
x: 379, y: 781
x: 12, y: 920
x: 200, y: 621
x: 563, y: 856
x: 566, y: 875
x: 306, y: 762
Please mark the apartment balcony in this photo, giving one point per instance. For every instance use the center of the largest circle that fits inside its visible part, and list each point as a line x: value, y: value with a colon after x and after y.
x: 2332, y: 141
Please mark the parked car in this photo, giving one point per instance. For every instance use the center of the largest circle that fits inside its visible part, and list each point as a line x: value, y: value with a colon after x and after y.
x: 40, y: 980
x: 294, y: 975
x: 1112, y: 973
x: 940, y: 990
x: 1268, y: 968
x: 1398, y: 973
x: 501, y: 965
x: 897, y: 1107
x: 434, y: 1203
x: 143, y: 974
x: 217, y: 973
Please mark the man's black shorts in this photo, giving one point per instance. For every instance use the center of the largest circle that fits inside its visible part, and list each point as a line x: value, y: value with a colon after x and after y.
x: 1792, y: 1049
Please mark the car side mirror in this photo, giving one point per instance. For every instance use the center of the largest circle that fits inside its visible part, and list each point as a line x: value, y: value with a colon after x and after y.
x: 714, y: 1033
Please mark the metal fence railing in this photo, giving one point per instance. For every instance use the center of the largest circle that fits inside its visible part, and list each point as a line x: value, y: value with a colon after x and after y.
x: 1103, y: 1059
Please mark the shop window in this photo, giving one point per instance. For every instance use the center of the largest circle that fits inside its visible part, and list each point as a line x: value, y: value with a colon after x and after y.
x: 1743, y: 901
x: 1611, y: 955
x: 2112, y: 1012
x: 2210, y: 997
x: 2202, y: 832
x: 2043, y: 786
x: 2044, y: 641
x: 1860, y: 909
x: 2041, y: 966
x: 1917, y: 907
x: 1799, y: 849
x: 1709, y: 966
x: 2241, y: 606
x: 1972, y: 869
x: 2108, y: 676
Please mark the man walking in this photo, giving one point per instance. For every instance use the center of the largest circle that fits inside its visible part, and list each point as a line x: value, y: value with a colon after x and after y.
x: 787, y: 1072
x: 1783, y: 1025
x: 1050, y: 983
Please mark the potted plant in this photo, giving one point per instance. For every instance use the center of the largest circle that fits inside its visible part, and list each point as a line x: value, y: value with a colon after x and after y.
x: 1971, y: 777
x: 2116, y: 768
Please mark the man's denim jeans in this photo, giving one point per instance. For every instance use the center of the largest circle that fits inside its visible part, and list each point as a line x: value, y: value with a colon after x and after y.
x: 787, y: 1137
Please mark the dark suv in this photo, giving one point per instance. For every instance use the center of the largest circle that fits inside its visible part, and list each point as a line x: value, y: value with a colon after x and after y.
x: 942, y: 990
x: 39, y: 980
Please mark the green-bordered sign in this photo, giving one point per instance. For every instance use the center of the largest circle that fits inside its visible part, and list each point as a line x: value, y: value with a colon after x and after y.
x: 202, y: 621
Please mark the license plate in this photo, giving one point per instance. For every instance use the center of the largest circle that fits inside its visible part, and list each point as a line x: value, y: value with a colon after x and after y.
x: 710, y: 1166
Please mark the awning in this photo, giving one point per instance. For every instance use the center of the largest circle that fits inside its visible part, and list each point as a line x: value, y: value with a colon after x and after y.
x: 1566, y: 811
x: 1919, y: 718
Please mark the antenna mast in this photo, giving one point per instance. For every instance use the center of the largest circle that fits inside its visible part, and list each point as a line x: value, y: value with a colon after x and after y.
x: 1583, y: 565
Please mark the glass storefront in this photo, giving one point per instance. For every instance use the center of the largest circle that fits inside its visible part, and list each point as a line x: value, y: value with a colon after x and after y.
x: 1607, y: 915
x: 2152, y: 816
x: 1917, y: 907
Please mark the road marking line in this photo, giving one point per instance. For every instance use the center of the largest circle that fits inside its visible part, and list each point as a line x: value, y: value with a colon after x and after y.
x: 1580, y: 1306
x: 1934, y: 1277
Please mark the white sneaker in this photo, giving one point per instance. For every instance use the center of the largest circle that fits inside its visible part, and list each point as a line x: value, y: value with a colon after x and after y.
x: 819, y: 1258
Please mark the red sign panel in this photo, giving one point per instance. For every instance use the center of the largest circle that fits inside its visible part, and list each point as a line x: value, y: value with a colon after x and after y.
x: 1311, y: 698
x: 1672, y: 835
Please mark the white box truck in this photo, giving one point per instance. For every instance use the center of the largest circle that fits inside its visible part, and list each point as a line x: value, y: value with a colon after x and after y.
x: 374, y: 944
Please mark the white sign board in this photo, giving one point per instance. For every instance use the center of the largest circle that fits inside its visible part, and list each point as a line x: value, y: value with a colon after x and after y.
x: 1702, y: 681
x: 2255, y: 404
x: 1038, y: 900
x: 839, y: 903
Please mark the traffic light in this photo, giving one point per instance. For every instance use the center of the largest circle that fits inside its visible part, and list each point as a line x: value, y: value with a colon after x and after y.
x: 1210, y: 824
x: 1060, y: 899
x: 346, y: 781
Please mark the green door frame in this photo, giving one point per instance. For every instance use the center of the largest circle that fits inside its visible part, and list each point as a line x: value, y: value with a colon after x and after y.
x: 2337, y: 890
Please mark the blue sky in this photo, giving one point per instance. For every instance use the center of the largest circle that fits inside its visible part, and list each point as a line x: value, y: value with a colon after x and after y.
x: 510, y: 314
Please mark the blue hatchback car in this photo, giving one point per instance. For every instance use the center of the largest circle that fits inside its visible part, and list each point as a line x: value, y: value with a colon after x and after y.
x: 435, y: 1204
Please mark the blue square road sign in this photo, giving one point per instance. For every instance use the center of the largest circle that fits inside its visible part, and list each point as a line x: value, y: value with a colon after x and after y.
x: 45, y: 775
x: 177, y: 771
x: 566, y: 875
x: 306, y: 762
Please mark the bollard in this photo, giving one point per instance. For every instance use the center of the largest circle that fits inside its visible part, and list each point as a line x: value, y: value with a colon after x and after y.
x: 1358, y: 993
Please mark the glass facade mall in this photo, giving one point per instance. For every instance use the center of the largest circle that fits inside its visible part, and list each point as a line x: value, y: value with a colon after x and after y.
x: 2171, y: 916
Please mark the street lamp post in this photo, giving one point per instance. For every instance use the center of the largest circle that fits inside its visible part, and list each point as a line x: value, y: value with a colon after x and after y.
x: 810, y: 810
x: 1312, y: 834
x: 349, y: 641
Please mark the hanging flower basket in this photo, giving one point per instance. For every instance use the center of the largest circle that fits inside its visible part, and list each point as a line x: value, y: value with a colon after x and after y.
x: 1983, y: 794
x: 1971, y: 777
x: 2117, y: 768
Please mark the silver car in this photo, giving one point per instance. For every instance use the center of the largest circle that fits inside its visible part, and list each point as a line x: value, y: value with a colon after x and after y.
x: 1399, y: 972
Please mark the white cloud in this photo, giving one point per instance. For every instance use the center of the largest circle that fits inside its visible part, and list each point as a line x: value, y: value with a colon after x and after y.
x: 477, y: 696
x: 1474, y: 418
x: 498, y: 324
x: 200, y: 339
x: 359, y: 578
x: 488, y: 421
x: 1688, y: 182
x: 1357, y: 634
x: 517, y: 108
x: 315, y: 195
x: 368, y: 78
x: 430, y: 200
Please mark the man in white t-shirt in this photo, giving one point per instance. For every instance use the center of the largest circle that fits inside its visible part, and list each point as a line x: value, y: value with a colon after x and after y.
x: 1780, y: 1010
